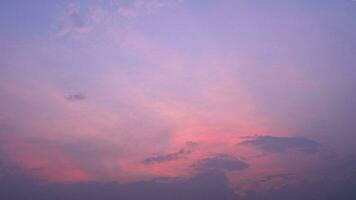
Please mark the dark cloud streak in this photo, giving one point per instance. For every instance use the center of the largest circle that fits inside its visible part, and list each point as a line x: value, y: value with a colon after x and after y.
x: 220, y: 162
x: 273, y: 144
x: 190, y: 147
x: 75, y: 97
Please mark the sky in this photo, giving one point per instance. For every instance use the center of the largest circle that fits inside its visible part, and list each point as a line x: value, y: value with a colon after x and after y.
x: 177, y: 99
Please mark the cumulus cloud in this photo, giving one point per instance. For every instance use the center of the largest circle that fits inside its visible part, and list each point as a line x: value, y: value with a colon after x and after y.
x: 220, y: 162
x: 274, y: 144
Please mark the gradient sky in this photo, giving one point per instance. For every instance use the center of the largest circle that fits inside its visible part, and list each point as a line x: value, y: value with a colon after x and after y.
x: 177, y: 99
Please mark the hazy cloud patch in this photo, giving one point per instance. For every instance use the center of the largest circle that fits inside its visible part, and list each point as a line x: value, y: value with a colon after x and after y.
x: 72, y: 21
x: 220, y: 162
x: 281, y: 144
x: 75, y: 97
x: 137, y: 7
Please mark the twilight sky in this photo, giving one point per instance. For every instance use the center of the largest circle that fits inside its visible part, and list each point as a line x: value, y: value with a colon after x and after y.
x: 178, y: 99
